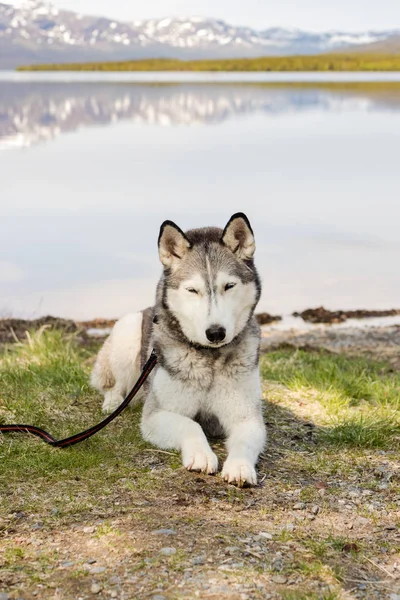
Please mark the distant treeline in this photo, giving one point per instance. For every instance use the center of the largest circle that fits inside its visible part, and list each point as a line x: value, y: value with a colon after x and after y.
x: 320, y: 62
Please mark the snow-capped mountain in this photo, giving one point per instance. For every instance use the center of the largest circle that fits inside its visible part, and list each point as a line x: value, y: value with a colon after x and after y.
x: 38, y: 32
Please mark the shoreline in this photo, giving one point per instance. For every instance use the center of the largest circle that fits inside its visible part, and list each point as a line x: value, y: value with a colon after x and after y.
x: 376, y: 338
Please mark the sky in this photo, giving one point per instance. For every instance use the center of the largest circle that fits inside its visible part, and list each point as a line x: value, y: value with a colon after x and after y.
x: 312, y: 15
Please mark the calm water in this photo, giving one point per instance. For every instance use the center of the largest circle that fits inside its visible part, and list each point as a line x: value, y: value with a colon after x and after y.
x: 89, y: 170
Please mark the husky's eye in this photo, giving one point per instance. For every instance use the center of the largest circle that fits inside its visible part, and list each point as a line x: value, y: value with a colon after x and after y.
x: 192, y: 290
x: 229, y: 286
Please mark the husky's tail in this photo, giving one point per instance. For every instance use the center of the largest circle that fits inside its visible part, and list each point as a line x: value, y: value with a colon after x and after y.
x: 102, y: 377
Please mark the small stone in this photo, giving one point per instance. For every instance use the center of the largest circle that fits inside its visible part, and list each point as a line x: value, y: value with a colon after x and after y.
x: 4, y: 596
x: 89, y: 529
x: 199, y: 560
x: 158, y: 597
x: 164, y: 532
x: 91, y: 561
x: 168, y: 551
x: 315, y: 509
x: 67, y: 563
x: 96, y: 588
x: 54, y: 511
x: 231, y: 549
x: 115, y: 580
x: 394, y: 596
x: 361, y: 521
x: 114, y: 594
x: 37, y: 526
x: 265, y: 535
x: 391, y: 527
x: 97, y: 570
x: 299, y: 506
x: 354, y: 494
x: 280, y: 579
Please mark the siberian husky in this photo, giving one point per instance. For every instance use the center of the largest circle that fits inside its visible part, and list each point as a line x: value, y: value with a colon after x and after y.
x: 207, y: 340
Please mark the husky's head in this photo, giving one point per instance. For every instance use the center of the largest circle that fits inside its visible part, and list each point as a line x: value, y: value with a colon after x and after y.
x: 210, y: 285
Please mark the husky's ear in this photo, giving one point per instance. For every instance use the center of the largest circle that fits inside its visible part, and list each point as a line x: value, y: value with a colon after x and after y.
x: 172, y: 244
x: 238, y: 236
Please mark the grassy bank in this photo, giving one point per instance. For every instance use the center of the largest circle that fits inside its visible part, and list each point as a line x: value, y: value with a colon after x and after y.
x: 321, y: 62
x: 87, y: 520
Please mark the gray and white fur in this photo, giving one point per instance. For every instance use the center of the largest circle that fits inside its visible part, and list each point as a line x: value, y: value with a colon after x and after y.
x: 207, y: 341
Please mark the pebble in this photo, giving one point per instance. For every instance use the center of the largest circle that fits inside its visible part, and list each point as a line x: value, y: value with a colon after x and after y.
x: 299, y: 506
x: 281, y: 579
x: 67, y: 563
x: 164, y: 532
x: 266, y: 535
x: 97, y: 570
x: 96, y: 588
x: 90, y: 529
x: 4, y: 596
x: 114, y: 594
x: 315, y: 509
x: 394, y: 596
x: 231, y: 549
x: 115, y: 580
x: 91, y: 561
x: 199, y: 560
x: 158, y: 597
x: 168, y: 551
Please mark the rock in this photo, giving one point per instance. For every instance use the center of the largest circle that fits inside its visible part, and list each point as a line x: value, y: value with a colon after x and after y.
x: 394, y: 596
x: 280, y: 579
x: 91, y: 561
x: 361, y: 521
x: 95, y: 588
x: 266, y: 318
x: 89, y: 529
x: 315, y: 509
x: 164, y: 532
x: 115, y: 580
x: 391, y: 527
x: 299, y: 506
x: 265, y: 535
x: 168, y: 551
x: 199, y: 560
x: 158, y: 597
x: 4, y: 596
x: 114, y: 594
x: 67, y: 563
x: 97, y: 570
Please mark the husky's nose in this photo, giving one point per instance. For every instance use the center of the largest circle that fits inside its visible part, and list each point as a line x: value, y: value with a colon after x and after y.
x: 216, y: 334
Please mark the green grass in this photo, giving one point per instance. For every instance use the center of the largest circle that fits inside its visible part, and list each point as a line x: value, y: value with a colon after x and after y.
x: 320, y: 62
x: 125, y: 489
x: 45, y: 382
x: 360, y: 398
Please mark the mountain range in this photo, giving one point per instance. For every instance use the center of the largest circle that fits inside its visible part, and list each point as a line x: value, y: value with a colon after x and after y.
x: 37, y: 32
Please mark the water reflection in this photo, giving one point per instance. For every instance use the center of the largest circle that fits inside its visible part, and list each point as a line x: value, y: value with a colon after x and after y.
x: 31, y: 113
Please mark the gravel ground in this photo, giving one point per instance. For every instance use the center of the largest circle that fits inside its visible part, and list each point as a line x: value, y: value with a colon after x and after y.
x: 381, y: 343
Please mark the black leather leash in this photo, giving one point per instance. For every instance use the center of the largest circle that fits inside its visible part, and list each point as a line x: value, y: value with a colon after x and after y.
x: 84, y: 435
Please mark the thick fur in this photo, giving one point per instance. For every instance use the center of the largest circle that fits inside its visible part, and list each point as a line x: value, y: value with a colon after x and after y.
x: 201, y: 384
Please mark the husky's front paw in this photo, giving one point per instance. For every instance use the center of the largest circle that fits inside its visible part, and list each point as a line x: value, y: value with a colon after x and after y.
x: 239, y: 471
x: 200, y: 460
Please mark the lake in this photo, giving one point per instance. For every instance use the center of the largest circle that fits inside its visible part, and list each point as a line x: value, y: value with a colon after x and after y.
x: 92, y: 164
